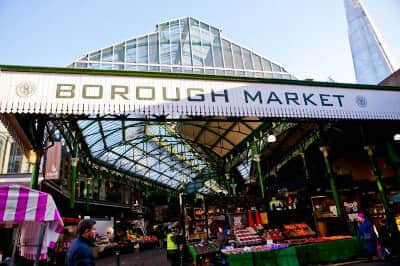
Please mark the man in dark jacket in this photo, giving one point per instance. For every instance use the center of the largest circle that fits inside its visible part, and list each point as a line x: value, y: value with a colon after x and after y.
x: 80, y: 252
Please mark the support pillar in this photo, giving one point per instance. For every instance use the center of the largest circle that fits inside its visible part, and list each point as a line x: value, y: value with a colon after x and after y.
x: 88, y: 188
x: 325, y: 153
x: 74, y: 165
x: 182, y: 213
x: 228, y: 184
x: 370, y: 150
x: 394, y: 158
x: 34, y: 160
x: 257, y: 159
x: 303, y: 158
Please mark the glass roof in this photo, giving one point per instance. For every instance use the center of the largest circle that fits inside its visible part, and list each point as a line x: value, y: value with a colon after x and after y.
x: 147, y: 149
x: 184, y: 45
x: 244, y: 170
x: 178, y: 152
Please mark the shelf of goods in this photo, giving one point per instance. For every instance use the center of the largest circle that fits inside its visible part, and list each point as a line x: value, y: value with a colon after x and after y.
x: 199, y: 222
x: 247, y: 236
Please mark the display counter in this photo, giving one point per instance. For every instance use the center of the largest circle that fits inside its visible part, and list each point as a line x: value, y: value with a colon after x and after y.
x: 203, y: 251
x: 315, y: 253
x: 329, y: 251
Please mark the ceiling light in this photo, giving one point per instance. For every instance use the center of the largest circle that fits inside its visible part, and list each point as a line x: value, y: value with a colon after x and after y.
x: 271, y: 138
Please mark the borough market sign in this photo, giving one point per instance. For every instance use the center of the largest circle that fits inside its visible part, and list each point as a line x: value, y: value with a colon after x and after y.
x: 73, y: 91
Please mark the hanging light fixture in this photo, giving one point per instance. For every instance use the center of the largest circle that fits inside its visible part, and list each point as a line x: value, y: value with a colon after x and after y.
x: 271, y: 137
x: 396, y: 137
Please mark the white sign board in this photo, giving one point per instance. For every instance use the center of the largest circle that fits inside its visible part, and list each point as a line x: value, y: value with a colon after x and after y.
x: 55, y: 93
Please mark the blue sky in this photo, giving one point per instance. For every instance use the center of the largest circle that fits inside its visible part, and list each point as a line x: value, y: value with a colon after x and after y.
x: 308, y: 37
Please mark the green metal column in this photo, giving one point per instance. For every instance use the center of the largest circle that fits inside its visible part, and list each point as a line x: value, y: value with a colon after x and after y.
x: 257, y: 159
x: 325, y: 153
x: 34, y: 159
x: 303, y: 158
x: 377, y: 173
x: 228, y: 184
x: 88, y: 187
x: 394, y: 159
x: 74, y: 164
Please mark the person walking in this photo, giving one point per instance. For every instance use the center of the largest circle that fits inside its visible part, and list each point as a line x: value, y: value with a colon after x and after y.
x: 366, y: 232
x: 172, y: 248
x: 80, y: 252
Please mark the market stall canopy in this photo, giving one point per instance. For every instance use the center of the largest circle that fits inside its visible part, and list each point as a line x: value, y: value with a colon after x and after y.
x: 59, y: 91
x: 27, y: 207
x: 173, y: 128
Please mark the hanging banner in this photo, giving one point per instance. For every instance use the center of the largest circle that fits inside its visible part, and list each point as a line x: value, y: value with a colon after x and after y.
x: 53, y: 161
x: 105, y: 93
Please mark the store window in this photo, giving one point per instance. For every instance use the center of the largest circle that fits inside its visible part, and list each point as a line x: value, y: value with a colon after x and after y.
x: 15, y: 161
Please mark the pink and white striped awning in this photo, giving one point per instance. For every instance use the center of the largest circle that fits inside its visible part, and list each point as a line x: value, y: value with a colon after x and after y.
x: 29, y: 207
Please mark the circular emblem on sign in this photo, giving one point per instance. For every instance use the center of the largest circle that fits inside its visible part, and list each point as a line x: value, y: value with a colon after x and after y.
x: 25, y: 89
x: 361, y: 101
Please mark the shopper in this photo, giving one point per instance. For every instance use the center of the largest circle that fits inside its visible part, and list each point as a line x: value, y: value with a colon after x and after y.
x: 366, y: 232
x: 80, y: 252
x: 172, y: 247
x: 384, y: 240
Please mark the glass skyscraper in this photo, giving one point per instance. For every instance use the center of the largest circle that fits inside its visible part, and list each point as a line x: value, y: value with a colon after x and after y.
x: 184, y: 45
x: 371, y: 61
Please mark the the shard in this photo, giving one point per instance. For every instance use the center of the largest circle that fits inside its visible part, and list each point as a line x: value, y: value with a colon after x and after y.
x: 371, y: 62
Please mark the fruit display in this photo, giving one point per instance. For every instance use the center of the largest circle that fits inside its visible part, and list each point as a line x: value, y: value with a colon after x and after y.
x: 297, y: 230
x: 302, y: 241
x: 398, y: 222
x: 247, y: 236
x: 139, y: 238
x: 254, y: 249
x: 273, y: 234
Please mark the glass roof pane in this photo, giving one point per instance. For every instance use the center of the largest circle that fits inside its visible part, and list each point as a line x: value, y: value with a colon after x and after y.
x: 119, y: 53
x: 196, y: 46
x: 142, y: 50
x: 244, y: 170
x: 107, y: 54
x: 227, y: 54
x: 131, y: 51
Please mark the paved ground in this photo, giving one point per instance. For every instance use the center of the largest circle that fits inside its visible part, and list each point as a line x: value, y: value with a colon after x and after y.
x: 364, y: 262
x: 158, y: 257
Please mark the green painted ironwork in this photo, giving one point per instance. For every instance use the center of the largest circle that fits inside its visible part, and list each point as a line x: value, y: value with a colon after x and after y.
x: 335, y: 194
x: 74, y: 166
x: 259, y: 169
x: 88, y: 187
x: 377, y: 173
x: 35, y: 174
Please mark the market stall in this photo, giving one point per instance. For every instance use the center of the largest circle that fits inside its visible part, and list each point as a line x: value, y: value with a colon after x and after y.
x: 306, y: 252
x: 35, y: 219
x: 66, y: 237
x: 253, y: 241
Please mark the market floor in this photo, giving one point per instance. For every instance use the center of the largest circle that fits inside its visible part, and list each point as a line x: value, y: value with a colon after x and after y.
x: 364, y: 262
x: 150, y: 257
